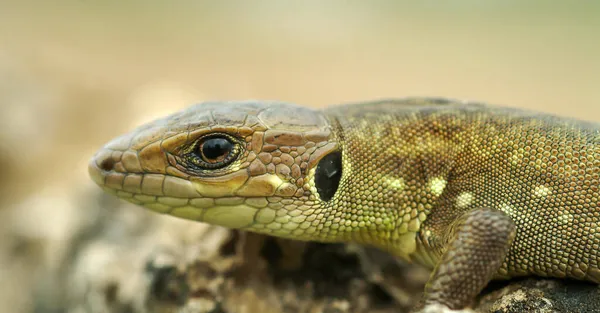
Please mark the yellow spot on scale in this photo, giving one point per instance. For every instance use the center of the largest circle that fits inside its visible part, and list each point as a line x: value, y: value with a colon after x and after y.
x: 396, y: 183
x: 275, y: 180
x: 565, y: 218
x: 508, y: 209
x: 437, y: 185
x: 310, y: 178
x: 464, y: 199
x: 515, y: 159
x: 541, y: 191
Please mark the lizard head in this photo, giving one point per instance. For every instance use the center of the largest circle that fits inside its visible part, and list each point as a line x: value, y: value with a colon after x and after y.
x: 265, y: 167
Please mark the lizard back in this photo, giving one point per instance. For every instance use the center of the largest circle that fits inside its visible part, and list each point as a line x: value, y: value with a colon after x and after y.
x: 421, y: 163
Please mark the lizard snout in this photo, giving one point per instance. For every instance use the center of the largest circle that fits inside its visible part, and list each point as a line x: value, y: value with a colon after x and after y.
x: 99, y: 166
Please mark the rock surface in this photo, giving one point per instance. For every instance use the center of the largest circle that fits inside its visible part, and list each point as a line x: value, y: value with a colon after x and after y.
x: 130, y: 260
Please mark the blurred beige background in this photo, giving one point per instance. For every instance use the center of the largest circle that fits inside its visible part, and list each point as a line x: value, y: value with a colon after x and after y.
x: 74, y: 74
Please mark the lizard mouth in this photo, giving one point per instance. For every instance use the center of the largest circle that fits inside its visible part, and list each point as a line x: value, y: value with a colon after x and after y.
x: 177, y: 196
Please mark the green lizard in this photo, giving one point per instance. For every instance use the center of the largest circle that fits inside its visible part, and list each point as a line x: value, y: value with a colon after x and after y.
x: 474, y: 192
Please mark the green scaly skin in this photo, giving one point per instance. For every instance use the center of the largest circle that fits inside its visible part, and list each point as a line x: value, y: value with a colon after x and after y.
x: 475, y: 192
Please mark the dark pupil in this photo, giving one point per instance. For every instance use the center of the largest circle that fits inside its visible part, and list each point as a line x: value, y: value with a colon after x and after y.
x: 328, y: 174
x: 216, y: 149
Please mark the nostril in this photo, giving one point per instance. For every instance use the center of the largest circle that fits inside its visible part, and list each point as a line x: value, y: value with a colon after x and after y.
x: 107, y: 165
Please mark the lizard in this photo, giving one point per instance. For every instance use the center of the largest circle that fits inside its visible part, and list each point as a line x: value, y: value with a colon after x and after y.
x: 475, y: 192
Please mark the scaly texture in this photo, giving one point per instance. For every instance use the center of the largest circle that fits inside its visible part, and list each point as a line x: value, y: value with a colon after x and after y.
x: 424, y: 179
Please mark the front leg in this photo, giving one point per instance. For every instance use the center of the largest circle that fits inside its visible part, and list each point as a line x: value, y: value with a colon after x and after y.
x: 477, y: 243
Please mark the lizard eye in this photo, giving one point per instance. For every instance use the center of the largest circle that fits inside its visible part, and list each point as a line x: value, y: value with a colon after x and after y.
x: 216, y: 151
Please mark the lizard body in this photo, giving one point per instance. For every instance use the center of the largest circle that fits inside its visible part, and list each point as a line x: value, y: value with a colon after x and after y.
x: 474, y: 192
